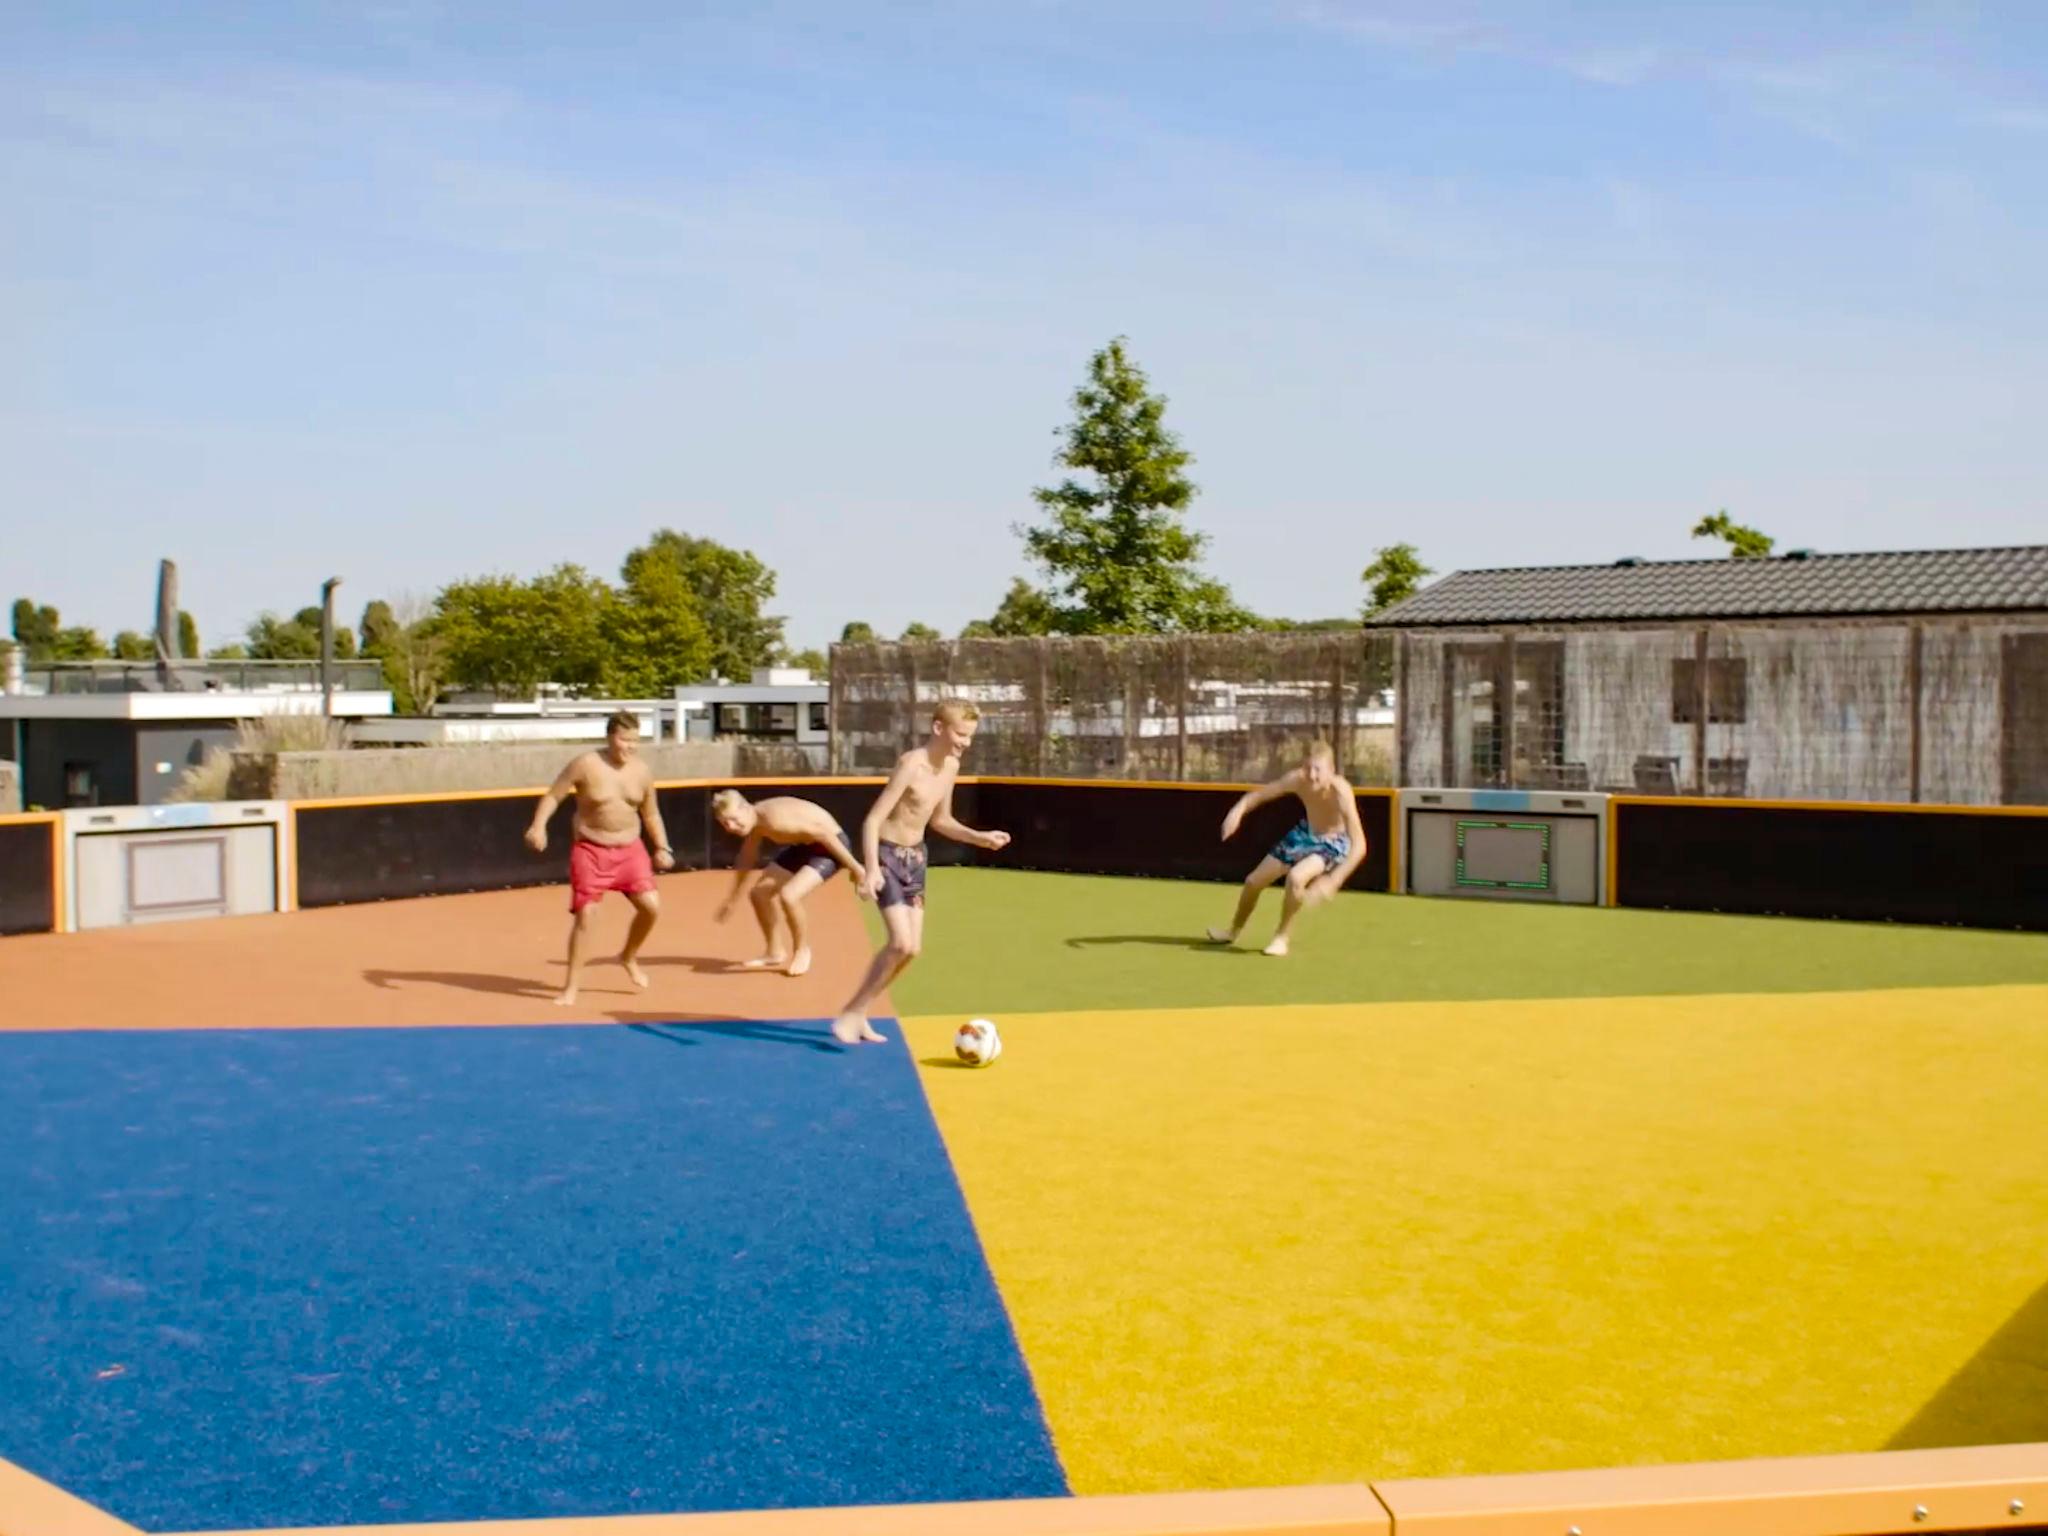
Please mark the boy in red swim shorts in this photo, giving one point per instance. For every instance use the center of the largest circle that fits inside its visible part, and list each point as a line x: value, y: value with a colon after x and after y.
x: 615, y: 799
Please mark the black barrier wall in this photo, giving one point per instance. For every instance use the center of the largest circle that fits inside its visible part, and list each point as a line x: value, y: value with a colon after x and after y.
x: 28, y: 878
x: 380, y: 851
x: 1167, y: 831
x: 385, y: 850
x: 1985, y: 870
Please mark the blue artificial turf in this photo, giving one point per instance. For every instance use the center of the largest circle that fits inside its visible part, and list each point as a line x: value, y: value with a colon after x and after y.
x: 313, y: 1277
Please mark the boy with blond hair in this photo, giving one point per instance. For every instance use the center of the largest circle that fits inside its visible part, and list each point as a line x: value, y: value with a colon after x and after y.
x: 918, y: 798
x: 1317, y: 855
x: 813, y: 849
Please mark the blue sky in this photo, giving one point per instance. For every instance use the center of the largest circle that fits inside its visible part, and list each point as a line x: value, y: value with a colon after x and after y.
x: 404, y: 291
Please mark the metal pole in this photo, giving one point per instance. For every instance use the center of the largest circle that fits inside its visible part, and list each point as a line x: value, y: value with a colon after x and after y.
x: 327, y: 645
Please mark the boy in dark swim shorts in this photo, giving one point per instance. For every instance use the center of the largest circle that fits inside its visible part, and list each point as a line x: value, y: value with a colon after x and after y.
x: 1316, y: 856
x: 812, y: 850
x: 917, y: 798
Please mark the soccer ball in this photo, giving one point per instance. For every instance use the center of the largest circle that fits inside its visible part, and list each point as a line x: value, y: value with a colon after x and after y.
x: 977, y: 1043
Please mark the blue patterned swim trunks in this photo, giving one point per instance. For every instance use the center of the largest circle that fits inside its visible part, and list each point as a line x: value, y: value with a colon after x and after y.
x: 1302, y: 840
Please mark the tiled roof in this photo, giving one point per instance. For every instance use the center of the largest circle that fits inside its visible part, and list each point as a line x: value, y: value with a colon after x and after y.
x: 1912, y: 581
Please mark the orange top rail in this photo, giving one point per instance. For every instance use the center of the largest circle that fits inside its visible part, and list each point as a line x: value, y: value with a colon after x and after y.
x: 1889, y: 1493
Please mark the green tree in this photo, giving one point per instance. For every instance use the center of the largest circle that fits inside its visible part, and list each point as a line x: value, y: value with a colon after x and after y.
x: 914, y: 633
x: 814, y: 662
x: 509, y: 636
x: 1119, y: 556
x: 234, y: 650
x: 729, y: 587
x: 297, y: 638
x: 978, y: 629
x: 1743, y: 543
x: 1024, y: 610
x: 1394, y: 575
x: 653, y: 635
x: 131, y: 645
x: 859, y: 632
x: 41, y: 633
x: 188, y: 634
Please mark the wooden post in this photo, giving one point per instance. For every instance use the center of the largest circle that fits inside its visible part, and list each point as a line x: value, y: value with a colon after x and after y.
x: 1913, y: 684
x: 1403, y: 708
x: 1447, y: 677
x: 1337, y: 708
x: 1180, y: 750
x: 833, y: 694
x: 1699, y: 725
x: 1504, y: 702
x: 1041, y: 705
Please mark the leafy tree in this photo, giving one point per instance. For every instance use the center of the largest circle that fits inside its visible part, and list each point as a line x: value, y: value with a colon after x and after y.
x: 1394, y: 575
x: 1024, y: 610
x: 978, y: 629
x: 814, y: 662
x: 233, y: 651
x: 917, y: 632
x: 188, y: 634
x: 509, y: 636
x: 1743, y: 543
x: 131, y: 645
x: 729, y: 587
x: 402, y: 639
x: 41, y: 633
x: 653, y: 635
x: 297, y: 638
x: 1119, y: 556
x: 859, y: 632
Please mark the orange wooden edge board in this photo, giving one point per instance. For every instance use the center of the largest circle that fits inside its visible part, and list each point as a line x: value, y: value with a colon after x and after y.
x: 1971, y: 1488
x: 1343, y: 1509
x: 31, y: 1507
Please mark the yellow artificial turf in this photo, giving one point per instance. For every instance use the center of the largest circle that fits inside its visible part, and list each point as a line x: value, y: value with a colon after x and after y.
x: 1264, y: 1245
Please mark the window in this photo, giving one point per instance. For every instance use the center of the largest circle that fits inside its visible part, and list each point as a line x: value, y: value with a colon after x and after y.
x: 820, y: 720
x: 80, y: 784
x: 1727, y: 690
x: 732, y: 720
x: 777, y: 719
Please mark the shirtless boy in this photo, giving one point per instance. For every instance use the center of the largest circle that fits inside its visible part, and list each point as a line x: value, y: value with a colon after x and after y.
x: 1316, y: 856
x: 614, y: 794
x: 917, y: 798
x: 813, y: 850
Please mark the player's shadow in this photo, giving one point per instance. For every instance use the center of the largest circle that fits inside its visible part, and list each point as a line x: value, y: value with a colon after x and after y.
x: 465, y: 981
x: 947, y: 1063
x: 1998, y: 1397
x: 680, y: 1031
x: 1158, y: 940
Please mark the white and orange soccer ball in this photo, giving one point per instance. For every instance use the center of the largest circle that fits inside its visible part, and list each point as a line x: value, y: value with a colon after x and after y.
x: 977, y: 1042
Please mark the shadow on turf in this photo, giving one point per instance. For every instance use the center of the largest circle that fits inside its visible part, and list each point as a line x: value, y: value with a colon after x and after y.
x: 527, y: 986
x: 2000, y: 1397
x: 1162, y: 940
x: 679, y: 1031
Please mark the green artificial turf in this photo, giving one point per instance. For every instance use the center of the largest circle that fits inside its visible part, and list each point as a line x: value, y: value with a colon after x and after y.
x: 1003, y: 941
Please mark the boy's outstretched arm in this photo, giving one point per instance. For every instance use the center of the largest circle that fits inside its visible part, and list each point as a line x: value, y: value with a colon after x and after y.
x: 1333, y: 881
x: 871, y: 828
x: 742, y: 867
x: 563, y: 788
x: 946, y: 824
x: 1252, y: 799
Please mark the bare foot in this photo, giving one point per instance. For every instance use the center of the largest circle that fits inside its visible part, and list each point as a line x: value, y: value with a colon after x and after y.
x: 633, y: 972
x: 764, y: 963
x: 1222, y: 936
x: 1277, y: 948
x: 798, y: 963
x: 566, y: 998
x: 868, y: 1035
x: 848, y: 1028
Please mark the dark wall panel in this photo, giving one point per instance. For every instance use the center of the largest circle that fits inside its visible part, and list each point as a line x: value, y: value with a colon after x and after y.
x: 1174, y: 833
x: 27, y: 877
x: 1921, y: 866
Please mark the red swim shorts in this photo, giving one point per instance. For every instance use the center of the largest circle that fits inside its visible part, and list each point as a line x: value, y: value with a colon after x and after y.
x: 595, y: 868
